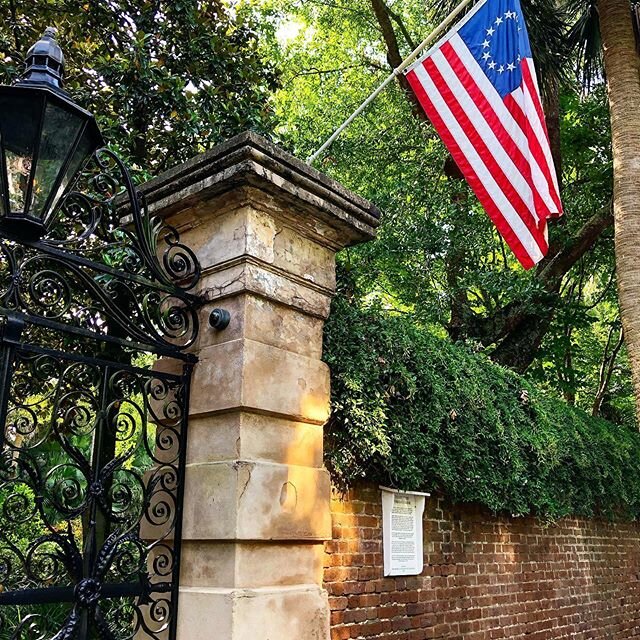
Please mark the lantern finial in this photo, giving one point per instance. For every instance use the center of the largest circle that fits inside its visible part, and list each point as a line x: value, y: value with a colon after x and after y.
x: 44, y: 62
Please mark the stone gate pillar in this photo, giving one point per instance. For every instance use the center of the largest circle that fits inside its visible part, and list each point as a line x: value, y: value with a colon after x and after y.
x: 266, y: 228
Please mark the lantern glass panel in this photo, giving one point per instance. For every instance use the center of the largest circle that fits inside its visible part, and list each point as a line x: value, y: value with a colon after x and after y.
x: 59, y: 134
x: 20, y: 117
x: 86, y: 146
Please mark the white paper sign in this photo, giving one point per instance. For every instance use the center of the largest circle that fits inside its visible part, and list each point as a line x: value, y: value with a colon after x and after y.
x: 402, y: 513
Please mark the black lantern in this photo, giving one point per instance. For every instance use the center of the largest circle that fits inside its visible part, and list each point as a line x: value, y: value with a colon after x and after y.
x: 45, y: 140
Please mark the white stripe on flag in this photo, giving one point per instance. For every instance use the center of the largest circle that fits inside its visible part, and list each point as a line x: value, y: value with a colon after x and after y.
x: 540, y: 127
x: 510, y: 124
x: 549, y: 173
x: 497, y: 195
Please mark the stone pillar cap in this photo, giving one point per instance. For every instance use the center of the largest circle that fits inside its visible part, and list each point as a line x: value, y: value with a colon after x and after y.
x: 251, y: 160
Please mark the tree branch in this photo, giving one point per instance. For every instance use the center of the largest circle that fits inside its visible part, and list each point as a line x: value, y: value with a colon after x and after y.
x: 512, y: 316
x: 333, y: 5
x: 14, y: 27
x: 403, y: 29
x: 394, y: 58
x: 319, y: 72
x: 606, y: 369
x: 381, y: 11
x: 556, y: 268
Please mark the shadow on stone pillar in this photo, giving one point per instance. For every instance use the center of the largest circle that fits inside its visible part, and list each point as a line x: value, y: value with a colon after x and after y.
x: 266, y: 228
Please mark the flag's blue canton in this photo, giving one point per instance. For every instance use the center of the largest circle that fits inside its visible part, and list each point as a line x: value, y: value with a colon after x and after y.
x: 497, y: 38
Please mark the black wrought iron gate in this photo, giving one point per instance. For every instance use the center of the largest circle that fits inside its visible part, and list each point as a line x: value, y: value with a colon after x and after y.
x: 93, y: 436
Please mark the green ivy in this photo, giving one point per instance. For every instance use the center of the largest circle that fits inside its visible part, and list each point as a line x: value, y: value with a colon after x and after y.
x: 412, y: 410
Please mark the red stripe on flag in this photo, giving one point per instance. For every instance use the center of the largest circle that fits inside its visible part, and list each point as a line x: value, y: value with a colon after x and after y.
x: 532, y: 87
x: 485, y: 152
x: 476, y: 184
x: 534, y: 145
x: 496, y: 124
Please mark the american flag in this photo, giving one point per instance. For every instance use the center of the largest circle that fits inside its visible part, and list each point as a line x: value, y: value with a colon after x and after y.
x: 478, y: 87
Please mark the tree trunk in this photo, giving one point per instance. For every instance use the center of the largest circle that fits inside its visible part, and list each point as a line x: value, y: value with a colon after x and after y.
x: 518, y: 350
x: 394, y: 57
x: 551, y: 99
x: 606, y: 369
x: 622, y: 68
x: 454, y: 265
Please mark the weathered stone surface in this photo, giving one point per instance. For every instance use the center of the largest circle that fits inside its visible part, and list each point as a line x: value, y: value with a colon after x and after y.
x: 262, y: 320
x: 247, y: 275
x: 205, y: 614
x: 265, y: 228
x: 249, y: 375
x: 280, y: 613
x: 252, y: 231
x: 250, y: 564
x: 245, y: 500
x: 250, y: 436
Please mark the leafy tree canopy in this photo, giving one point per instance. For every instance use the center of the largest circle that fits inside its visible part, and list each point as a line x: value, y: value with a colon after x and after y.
x: 414, y: 411
x: 437, y: 256
x: 166, y: 80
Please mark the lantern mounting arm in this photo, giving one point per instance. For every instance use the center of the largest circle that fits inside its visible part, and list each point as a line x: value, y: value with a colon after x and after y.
x: 80, y: 261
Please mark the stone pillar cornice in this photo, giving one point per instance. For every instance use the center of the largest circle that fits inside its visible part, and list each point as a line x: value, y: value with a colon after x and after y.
x: 250, y: 160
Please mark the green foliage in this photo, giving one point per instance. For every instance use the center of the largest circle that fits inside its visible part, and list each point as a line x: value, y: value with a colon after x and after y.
x: 166, y: 80
x: 20, y: 499
x: 169, y: 79
x: 415, y: 411
x: 437, y: 255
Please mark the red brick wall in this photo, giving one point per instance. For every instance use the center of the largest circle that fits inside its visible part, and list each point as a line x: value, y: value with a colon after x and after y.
x: 485, y: 577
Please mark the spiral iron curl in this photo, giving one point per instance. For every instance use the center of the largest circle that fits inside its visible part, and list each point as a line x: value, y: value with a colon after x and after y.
x: 105, y: 261
x: 92, y: 448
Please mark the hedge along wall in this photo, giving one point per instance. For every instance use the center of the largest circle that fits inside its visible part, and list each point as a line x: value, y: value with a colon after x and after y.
x: 485, y: 576
x: 414, y: 411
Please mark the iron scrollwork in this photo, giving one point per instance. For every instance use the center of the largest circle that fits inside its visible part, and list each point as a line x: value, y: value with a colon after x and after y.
x: 93, y: 439
x: 105, y: 268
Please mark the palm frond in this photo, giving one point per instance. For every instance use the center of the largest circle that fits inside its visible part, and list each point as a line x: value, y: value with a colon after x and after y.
x: 547, y: 26
x: 584, y: 39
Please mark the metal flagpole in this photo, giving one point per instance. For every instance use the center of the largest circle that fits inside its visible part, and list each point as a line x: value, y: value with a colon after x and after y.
x: 396, y: 72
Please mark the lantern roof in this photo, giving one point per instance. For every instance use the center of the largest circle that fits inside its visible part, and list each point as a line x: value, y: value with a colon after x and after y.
x: 44, y: 64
